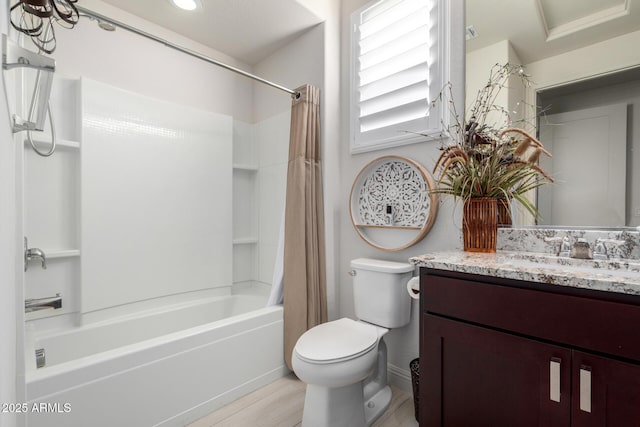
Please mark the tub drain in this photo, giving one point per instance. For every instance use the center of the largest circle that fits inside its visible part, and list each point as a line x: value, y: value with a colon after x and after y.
x: 41, y: 360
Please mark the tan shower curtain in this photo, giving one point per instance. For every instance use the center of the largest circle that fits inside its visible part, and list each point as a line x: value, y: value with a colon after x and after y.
x: 305, y: 294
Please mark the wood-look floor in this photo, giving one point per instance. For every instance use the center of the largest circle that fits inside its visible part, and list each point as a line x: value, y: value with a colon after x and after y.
x: 280, y: 404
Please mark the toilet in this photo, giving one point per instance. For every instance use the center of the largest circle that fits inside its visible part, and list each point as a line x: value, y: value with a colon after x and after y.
x: 344, y: 362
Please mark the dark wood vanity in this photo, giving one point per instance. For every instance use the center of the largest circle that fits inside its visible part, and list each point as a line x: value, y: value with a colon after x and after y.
x: 498, y: 352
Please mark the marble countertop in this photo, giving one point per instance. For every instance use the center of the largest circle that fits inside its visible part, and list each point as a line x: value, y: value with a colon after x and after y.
x: 615, y: 276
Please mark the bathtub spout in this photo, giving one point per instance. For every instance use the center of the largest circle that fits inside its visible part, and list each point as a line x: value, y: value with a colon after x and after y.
x: 36, y: 304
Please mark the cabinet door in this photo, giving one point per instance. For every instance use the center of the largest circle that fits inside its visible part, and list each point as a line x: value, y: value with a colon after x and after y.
x: 474, y: 376
x: 606, y: 392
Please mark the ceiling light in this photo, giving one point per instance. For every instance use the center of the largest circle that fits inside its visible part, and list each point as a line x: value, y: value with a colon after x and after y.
x: 187, y: 4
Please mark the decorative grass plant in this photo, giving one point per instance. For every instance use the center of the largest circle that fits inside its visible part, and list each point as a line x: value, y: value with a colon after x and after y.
x: 487, y: 159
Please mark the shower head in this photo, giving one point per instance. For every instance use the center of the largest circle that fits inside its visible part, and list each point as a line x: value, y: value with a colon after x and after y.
x: 107, y: 26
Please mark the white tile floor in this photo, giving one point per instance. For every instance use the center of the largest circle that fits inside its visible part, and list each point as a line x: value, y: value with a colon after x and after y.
x: 280, y: 404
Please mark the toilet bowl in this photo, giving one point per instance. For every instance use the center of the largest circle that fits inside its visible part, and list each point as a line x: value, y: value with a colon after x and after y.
x: 337, y: 353
x: 334, y: 359
x: 344, y: 362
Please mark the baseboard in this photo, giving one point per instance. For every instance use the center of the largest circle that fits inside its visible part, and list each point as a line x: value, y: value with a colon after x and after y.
x: 399, y: 377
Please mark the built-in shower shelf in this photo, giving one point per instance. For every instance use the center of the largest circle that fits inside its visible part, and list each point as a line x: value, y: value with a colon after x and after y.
x: 62, y: 253
x: 68, y: 143
x: 244, y: 167
x: 245, y: 241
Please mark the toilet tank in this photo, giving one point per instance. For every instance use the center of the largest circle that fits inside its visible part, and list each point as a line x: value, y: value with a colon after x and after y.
x: 380, y: 291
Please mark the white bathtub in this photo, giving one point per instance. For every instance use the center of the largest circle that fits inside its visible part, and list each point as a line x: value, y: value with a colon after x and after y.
x: 162, y: 367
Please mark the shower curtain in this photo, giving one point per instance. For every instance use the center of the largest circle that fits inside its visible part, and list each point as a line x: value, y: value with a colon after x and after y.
x: 305, y: 295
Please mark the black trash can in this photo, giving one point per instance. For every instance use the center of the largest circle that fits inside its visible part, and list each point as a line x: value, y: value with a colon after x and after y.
x: 414, y: 367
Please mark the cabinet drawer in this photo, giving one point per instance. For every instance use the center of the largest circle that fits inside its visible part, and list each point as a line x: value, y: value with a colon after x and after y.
x: 589, y: 323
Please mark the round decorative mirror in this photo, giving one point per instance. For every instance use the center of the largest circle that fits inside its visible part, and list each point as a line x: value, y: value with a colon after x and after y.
x: 392, y: 207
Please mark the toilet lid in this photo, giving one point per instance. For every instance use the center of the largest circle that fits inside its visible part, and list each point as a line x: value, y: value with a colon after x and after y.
x: 339, y: 339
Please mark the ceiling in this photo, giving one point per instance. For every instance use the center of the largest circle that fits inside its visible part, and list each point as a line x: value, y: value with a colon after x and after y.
x: 539, y: 29
x: 251, y: 30
x: 248, y: 30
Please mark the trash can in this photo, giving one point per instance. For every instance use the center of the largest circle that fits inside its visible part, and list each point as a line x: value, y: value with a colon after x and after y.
x: 414, y: 367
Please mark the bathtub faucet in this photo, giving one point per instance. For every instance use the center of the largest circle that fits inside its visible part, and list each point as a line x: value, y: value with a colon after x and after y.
x: 36, y: 304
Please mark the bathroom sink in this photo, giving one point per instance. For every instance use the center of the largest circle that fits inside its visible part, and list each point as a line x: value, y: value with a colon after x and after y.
x: 609, y: 266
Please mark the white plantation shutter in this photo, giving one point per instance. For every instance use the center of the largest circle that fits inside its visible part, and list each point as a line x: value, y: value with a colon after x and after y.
x: 395, y: 67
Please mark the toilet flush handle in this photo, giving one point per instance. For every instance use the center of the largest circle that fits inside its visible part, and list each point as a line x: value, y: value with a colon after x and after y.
x: 352, y: 273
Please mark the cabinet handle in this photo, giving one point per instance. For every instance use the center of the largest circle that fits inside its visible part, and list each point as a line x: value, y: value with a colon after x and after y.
x: 554, y: 379
x: 585, y: 388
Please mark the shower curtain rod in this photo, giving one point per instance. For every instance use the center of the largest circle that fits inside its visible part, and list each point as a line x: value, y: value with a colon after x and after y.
x: 167, y: 43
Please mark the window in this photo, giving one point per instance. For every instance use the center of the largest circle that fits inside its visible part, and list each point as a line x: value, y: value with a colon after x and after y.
x: 396, y: 65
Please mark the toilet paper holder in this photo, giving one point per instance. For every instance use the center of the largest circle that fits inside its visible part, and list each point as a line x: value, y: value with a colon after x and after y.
x: 413, y: 287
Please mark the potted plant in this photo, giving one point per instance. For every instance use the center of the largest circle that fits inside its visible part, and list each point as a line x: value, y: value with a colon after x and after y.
x: 486, y: 165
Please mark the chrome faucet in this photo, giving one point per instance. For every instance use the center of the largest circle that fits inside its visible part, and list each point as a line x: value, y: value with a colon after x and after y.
x: 33, y: 253
x: 36, y: 304
x: 565, y: 247
x: 600, y: 251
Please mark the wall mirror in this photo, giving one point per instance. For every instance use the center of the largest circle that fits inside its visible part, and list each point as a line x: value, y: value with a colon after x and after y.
x: 586, y: 78
x: 391, y: 204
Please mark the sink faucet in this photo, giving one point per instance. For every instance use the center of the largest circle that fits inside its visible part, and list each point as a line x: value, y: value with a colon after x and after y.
x: 600, y: 251
x: 33, y: 253
x: 565, y: 247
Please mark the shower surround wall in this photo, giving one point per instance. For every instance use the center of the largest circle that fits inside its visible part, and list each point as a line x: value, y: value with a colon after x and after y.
x: 260, y: 153
x: 137, y: 200
x: 155, y: 198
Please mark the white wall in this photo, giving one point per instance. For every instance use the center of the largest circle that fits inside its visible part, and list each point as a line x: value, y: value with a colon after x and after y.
x: 479, y: 64
x: 11, y: 371
x: 8, y: 251
x: 402, y: 343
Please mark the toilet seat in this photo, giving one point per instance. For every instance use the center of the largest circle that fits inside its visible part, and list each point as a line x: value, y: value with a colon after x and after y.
x: 337, y: 341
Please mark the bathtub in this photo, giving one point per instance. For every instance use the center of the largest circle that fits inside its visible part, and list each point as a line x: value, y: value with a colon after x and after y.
x: 163, y: 367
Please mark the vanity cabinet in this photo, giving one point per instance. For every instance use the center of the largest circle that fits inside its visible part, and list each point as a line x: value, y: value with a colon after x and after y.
x: 500, y: 352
